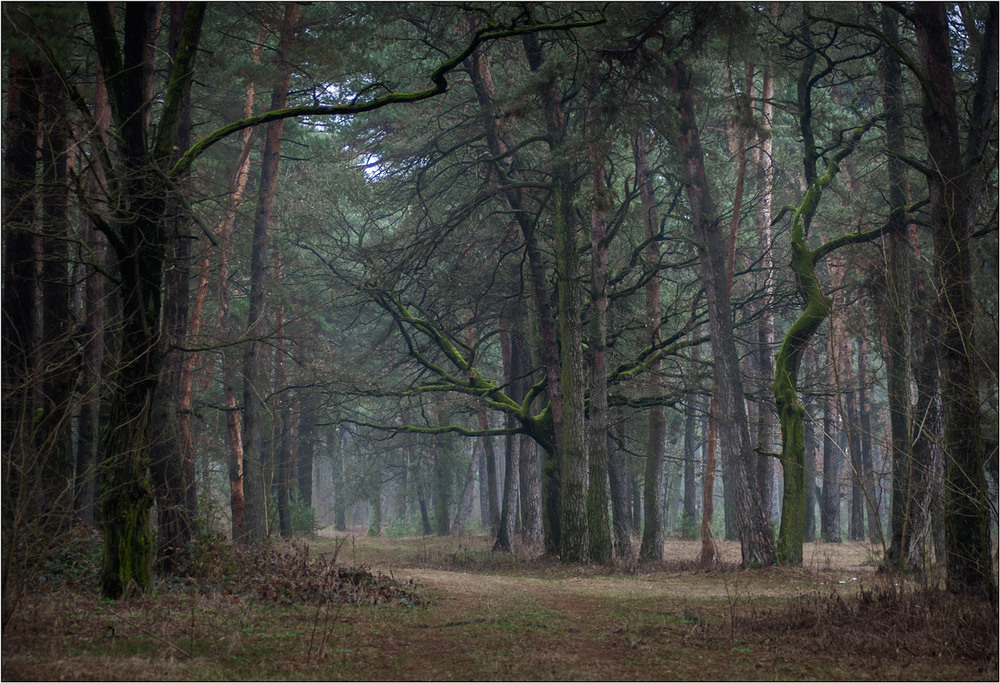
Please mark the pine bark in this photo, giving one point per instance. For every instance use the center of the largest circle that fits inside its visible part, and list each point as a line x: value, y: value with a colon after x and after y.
x: 618, y: 480
x: 830, y: 505
x: 897, y: 294
x: 169, y: 475
x: 598, y: 523
x: 138, y: 242
x: 19, y: 331
x: 954, y: 193
x: 58, y: 361
x: 652, y: 529
x: 234, y: 431
x: 756, y: 539
x: 255, y: 385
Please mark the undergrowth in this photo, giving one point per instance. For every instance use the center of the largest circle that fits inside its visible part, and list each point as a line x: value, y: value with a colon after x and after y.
x: 884, y: 622
x: 288, y: 572
x: 283, y: 571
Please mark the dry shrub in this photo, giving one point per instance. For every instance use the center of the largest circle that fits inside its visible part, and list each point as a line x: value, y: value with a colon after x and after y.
x: 287, y: 572
x: 885, y: 622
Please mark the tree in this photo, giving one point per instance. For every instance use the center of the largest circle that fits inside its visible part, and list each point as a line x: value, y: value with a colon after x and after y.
x: 137, y: 238
x: 20, y: 201
x: 652, y: 529
x: 756, y: 539
x: 954, y: 187
x: 791, y: 414
x: 255, y: 481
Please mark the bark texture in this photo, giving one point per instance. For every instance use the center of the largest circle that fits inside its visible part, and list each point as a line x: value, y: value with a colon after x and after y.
x: 756, y: 539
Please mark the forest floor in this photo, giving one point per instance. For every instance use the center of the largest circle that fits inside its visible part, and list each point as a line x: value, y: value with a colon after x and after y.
x: 348, y: 607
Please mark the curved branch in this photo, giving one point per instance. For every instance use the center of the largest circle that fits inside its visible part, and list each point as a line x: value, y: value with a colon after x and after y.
x: 446, y: 429
x: 438, y: 77
x: 858, y: 237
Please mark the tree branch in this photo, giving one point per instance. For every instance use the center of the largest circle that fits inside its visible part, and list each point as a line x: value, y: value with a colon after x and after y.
x: 857, y: 237
x: 438, y: 77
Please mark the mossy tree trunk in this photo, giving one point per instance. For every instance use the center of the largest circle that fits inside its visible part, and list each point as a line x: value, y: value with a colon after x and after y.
x: 563, y: 359
x: 816, y: 309
x: 573, y: 531
x: 597, y: 497
x: 137, y: 235
x: 790, y: 409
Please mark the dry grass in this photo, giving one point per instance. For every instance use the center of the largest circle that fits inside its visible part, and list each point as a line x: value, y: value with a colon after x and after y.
x: 463, y: 612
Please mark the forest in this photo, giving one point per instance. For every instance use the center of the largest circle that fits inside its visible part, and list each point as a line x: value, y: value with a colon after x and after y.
x: 311, y: 309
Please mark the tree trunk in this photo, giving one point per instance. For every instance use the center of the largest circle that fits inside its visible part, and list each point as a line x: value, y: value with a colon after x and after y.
x: 442, y: 487
x: 573, y: 454
x: 340, y: 501
x: 563, y: 360
x: 306, y: 455
x: 484, y: 507
x: 707, y: 553
x: 830, y: 508
x: 58, y: 361
x: 140, y: 249
x: 493, y: 504
x: 375, y: 513
x: 865, y: 429
x: 224, y: 231
x: 92, y: 390
x: 897, y: 293
x: 923, y: 479
x: 499, y: 144
x: 530, y: 494
x: 19, y: 332
x: 284, y: 435
x: 511, y: 483
x: 254, y: 376
x: 464, y: 510
x: 96, y: 291
x: 954, y: 200
x: 846, y: 390
x: 598, y: 524
x: 764, y: 353
x: 816, y: 308
x: 756, y: 539
x: 652, y: 529
x: 490, y: 460
x: 809, y: 439
x: 167, y: 470
x: 690, y: 517
x: 618, y: 479
x: 513, y: 353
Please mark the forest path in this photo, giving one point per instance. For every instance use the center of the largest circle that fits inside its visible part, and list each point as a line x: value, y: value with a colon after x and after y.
x: 588, y: 624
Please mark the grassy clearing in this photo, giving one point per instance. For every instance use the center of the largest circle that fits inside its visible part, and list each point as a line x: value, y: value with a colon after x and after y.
x: 357, y: 608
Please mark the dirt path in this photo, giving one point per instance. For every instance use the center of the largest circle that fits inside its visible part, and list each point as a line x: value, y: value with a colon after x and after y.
x: 499, y: 627
x: 588, y: 625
